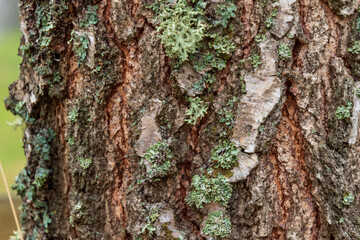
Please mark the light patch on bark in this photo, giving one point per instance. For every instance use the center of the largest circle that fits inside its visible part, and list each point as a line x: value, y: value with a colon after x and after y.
x: 166, y: 219
x: 263, y: 93
x: 355, y: 117
x: 284, y: 20
x: 150, y: 132
x: 90, y: 61
x: 186, y: 78
x: 246, y: 163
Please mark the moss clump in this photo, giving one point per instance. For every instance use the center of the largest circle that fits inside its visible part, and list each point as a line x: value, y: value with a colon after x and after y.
x: 343, y: 112
x: 217, y: 225
x: 196, y: 110
x: 159, y: 157
x: 225, y: 155
x: 206, y: 190
x: 181, y: 29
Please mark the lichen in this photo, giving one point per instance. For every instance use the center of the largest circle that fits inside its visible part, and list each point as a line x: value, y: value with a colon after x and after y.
x: 181, y: 29
x: 84, y: 162
x: 197, y: 109
x: 225, y: 155
x: 209, y: 189
x: 284, y: 52
x: 80, y: 46
x: 217, y: 225
x: 151, y: 219
x: 159, y: 158
x: 343, y: 112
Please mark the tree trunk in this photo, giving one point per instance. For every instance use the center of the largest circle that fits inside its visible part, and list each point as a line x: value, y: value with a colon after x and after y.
x: 234, y: 119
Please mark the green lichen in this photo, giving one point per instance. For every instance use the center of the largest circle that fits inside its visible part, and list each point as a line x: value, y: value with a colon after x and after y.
x: 181, y: 29
x: 159, y: 159
x: 91, y: 17
x: 73, y: 116
x: 357, y: 92
x: 197, y: 109
x: 355, y: 48
x: 269, y: 20
x: 284, y: 52
x: 84, y: 162
x: 16, y: 236
x: 222, y: 44
x: 42, y: 146
x: 343, y: 112
x: 80, y: 46
x: 260, y: 37
x: 255, y: 60
x: 71, y: 141
x: 225, y: 155
x: 348, y: 199
x: 41, y: 176
x: 224, y: 12
x: 29, y: 183
x: 206, y: 190
x: 151, y: 219
x: 217, y: 225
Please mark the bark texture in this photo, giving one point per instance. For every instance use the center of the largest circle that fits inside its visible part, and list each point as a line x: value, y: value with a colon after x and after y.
x: 98, y: 89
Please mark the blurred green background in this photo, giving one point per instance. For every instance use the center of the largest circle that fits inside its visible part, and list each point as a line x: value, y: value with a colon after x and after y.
x: 11, y: 151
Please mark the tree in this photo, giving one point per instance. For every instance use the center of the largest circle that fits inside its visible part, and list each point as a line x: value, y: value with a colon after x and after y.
x: 189, y: 119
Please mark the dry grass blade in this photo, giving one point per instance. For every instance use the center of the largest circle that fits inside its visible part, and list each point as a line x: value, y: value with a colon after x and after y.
x: 11, y: 202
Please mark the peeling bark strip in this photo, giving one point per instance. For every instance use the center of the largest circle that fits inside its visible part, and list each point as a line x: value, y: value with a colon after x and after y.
x: 240, y: 123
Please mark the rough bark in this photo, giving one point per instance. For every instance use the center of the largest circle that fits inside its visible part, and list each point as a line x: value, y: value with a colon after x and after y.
x: 97, y: 89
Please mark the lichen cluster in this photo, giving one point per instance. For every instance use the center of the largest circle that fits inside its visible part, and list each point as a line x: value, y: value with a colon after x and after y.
x: 209, y: 189
x: 29, y: 184
x: 158, y: 159
x: 217, y: 225
x: 200, y: 34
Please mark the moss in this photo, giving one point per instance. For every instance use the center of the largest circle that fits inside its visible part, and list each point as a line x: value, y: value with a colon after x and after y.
x: 206, y: 190
x: 217, y: 225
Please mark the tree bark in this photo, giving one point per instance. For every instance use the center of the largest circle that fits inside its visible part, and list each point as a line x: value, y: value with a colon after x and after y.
x: 103, y: 93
